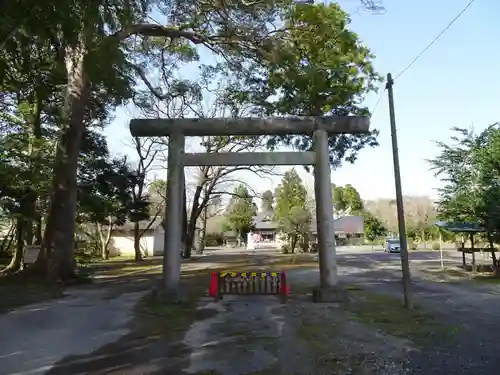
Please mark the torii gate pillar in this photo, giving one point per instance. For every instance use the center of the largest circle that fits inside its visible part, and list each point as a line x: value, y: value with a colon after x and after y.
x: 324, y: 212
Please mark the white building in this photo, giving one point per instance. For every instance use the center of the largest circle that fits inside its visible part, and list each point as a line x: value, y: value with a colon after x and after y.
x: 151, y: 243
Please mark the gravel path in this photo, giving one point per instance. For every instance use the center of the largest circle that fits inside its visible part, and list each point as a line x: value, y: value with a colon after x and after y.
x: 259, y: 336
x: 474, y: 308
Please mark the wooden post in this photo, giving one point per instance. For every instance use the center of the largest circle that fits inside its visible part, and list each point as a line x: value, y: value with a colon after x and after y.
x: 405, y: 264
x: 471, y: 236
x: 441, y: 249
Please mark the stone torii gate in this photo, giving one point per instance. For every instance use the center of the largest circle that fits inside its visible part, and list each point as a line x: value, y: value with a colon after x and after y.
x: 318, y: 127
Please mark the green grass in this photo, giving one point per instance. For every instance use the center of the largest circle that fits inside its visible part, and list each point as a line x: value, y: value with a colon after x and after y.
x: 390, y: 316
x: 171, y: 320
x: 448, y: 274
x: 487, y: 279
x: 120, y: 266
x: 316, y: 333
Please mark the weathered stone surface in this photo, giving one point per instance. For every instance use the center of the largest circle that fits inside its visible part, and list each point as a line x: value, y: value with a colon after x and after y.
x: 173, y: 296
x: 249, y: 126
x: 250, y: 158
x: 333, y: 294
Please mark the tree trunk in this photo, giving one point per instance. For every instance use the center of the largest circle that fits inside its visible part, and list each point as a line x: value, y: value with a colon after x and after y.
x: 34, y: 152
x: 28, y: 232
x: 56, y: 257
x: 198, y: 209
x: 305, y: 242
x: 203, y: 231
x: 137, y: 242
x: 105, y: 239
x: 496, y: 268
x: 7, y: 240
x: 190, y: 234
x: 187, y: 237
x: 38, y: 231
x: 17, y: 258
x: 293, y: 242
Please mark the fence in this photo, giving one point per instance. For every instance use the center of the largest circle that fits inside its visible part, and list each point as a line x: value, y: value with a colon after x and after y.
x: 249, y: 283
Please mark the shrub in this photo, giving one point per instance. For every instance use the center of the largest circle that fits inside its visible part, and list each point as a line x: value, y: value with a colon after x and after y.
x: 87, y: 251
x: 313, y: 247
x: 214, y: 239
x: 285, y: 249
x: 435, y: 246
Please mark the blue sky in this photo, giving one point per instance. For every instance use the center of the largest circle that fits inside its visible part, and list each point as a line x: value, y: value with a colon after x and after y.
x: 455, y: 83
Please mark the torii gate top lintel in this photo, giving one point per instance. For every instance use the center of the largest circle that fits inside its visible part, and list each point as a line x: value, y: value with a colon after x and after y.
x: 250, y: 126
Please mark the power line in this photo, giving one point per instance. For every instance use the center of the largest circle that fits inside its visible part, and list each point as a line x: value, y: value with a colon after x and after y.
x: 435, y: 39
x: 380, y: 97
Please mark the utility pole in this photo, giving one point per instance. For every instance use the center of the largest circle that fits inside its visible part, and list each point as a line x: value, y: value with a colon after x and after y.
x: 405, y: 265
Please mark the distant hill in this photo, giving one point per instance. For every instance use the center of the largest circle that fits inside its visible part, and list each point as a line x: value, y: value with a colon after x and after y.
x: 416, y: 209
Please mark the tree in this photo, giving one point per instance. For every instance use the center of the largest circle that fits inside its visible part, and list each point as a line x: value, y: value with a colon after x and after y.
x: 353, y: 199
x: 105, y: 184
x: 416, y: 209
x: 290, y: 212
x: 470, y: 169
x: 240, y: 212
x: 305, y: 74
x: 297, y: 226
x: 374, y: 228
x: 157, y: 196
x: 213, y: 208
x: 212, y: 182
x: 104, y: 48
x: 146, y: 151
x: 267, y: 201
x: 420, y: 217
x: 338, y: 199
x: 346, y: 200
x: 94, y: 38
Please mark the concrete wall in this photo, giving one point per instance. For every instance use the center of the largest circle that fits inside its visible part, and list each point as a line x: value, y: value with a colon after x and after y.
x: 158, y: 241
x: 123, y: 244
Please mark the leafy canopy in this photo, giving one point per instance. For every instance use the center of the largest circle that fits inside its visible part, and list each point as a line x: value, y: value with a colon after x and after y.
x: 317, y: 66
x: 291, y: 196
x: 346, y: 199
x: 470, y: 168
x: 241, y: 211
x: 374, y: 228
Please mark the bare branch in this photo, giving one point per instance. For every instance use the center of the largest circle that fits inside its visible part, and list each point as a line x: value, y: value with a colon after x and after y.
x: 153, y: 30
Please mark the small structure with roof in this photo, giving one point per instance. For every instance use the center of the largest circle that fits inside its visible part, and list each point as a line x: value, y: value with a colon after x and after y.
x: 152, y: 238
x: 464, y: 228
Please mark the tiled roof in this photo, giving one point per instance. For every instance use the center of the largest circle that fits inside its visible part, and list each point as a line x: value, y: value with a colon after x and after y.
x: 264, y: 221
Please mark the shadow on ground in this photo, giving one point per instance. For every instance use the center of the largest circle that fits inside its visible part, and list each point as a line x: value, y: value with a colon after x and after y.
x: 131, y: 355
